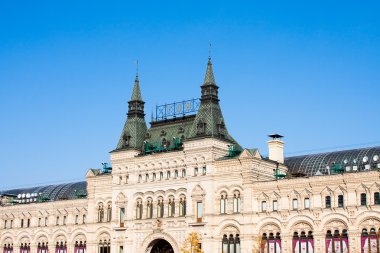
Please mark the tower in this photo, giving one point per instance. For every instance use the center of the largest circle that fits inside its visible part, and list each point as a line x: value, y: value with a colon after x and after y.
x: 132, y: 135
x: 209, y: 121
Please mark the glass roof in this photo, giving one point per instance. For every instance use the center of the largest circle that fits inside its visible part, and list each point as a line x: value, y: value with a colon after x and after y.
x: 52, y: 192
x: 349, y: 160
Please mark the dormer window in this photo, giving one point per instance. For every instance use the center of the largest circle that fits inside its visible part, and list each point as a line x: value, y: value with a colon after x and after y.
x: 201, y: 128
x: 126, y: 138
x: 163, y: 133
x: 221, y: 129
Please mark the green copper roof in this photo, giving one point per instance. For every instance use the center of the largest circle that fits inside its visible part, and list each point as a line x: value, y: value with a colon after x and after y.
x: 169, y: 129
x: 136, y: 93
x: 209, y: 121
x: 209, y: 77
x: 134, y: 130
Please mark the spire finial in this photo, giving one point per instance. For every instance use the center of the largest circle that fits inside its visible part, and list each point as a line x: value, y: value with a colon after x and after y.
x: 137, y: 68
x: 209, y: 50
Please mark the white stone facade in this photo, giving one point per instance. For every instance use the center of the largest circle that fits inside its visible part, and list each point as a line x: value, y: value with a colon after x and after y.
x: 247, y: 177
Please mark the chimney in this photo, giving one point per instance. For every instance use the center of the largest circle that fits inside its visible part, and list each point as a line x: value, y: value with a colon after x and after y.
x: 276, y: 148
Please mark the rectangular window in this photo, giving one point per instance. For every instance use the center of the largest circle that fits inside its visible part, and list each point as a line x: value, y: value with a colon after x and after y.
x: 28, y: 223
x: 275, y: 205
x: 11, y: 224
x: 307, y: 203
x: 46, y: 221
x: 121, y: 250
x: 263, y: 206
x: 22, y: 223
x: 204, y: 170
x: 377, y: 198
x: 122, y: 214
x: 363, y: 199
x: 295, y: 204
x: 39, y: 222
x: 199, y: 211
x: 84, y: 219
x: 76, y: 219
x: 340, y: 201
x: 196, y: 172
x: 57, y: 221
x: 327, y: 201
x: 64, y: 220
x: 5, y: 224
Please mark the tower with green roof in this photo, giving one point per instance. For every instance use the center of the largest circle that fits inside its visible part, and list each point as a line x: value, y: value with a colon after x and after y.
x: 209, y: 121
x: 132, y: 135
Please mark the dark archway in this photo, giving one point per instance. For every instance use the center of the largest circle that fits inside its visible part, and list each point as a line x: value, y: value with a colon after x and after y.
x: 161, y: 246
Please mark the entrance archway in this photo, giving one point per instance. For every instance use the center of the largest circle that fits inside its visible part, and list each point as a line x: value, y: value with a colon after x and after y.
x: 160, y: 246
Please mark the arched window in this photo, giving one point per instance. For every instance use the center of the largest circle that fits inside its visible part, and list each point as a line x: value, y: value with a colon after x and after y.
x: 303, y: 243
x: 149, y: 209
x: 8, y: 248
x: 231, y: 244
x: 61, y: 247
x: 161, y: 175
x: 370, y: 242
x: 168, y: 174
x: 109, y: 213
x: 376, y: 197
x: 25, y: 248
x: 42, y: 248
x: 337, y: 242
x: 307, y: 203
x: 154, y: 176
x: 182, y: 206
x: 237, y: 202
x: 80, y: 247
x: 104, y: 246
x: 160, y: 207
x: 271, y: 243
x: 171, y: 207
x: 340, y: 201
x: 100, y: 213
x: 327, y: 201
x: 223, y: 203
x: 140, y: 179
x: 139, y: 209
x: 184, y: 173
x: 146, y: 177
x: 363, y: 199
x: 176, y: 174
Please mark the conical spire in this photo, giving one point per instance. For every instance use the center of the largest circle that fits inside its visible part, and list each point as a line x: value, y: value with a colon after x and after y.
x: 209, y: 121
x: 209, y: 78
x: 136, y: 93
x: 132, y: 136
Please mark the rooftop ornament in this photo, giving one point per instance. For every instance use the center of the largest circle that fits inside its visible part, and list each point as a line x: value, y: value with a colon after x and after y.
x: 233, y: 151
x: 176, y: 109
x: 106, y: 168
x: 277, y: 173
x: 151, y: 147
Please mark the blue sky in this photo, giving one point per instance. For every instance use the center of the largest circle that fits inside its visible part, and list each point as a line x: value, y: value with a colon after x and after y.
x: 306, y: 69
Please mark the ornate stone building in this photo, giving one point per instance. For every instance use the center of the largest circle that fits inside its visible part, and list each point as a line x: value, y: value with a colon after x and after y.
x: 185, y: 174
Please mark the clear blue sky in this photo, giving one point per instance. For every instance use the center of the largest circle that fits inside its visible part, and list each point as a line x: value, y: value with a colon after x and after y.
x: 309, y: 70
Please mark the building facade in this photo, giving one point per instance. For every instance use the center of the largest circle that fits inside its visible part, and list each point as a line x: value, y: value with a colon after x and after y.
x: 186, y: 174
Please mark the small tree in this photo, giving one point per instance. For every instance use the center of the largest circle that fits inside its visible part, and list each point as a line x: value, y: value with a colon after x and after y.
x: 191, y: 244
x: 257, y: 245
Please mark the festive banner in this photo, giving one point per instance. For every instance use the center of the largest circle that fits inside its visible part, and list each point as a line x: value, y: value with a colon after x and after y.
x: 329, y: 248
x: 373, y: 243
x: 344, y: 245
